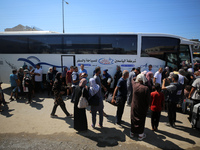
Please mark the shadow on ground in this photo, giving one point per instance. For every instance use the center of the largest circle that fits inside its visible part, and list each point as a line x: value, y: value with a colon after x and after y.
x: 106, y: 137
x: 158, y: 139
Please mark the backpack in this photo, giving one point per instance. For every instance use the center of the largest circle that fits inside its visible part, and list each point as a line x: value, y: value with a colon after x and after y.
x: 175, y: 96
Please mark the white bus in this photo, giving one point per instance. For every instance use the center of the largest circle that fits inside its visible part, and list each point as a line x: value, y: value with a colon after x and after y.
x: 127, y: 50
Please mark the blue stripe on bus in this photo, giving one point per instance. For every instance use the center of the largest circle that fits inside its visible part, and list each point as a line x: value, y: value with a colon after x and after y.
x: 84, y: 64
x: 41, y: 63
x: 127, y: 65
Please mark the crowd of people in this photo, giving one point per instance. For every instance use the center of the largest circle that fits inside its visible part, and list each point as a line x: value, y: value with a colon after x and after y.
x: 140, y: 90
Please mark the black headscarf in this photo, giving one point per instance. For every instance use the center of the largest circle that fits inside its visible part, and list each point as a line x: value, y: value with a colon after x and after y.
x: 54, y: 71
x: 57, y: 77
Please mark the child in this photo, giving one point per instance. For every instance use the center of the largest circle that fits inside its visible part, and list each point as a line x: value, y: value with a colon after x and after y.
x: 157, y: 101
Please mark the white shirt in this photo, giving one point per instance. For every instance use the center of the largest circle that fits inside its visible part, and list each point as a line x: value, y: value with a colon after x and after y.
x: 38, y: 78
x: 158, y: 77
x: 196, y: 85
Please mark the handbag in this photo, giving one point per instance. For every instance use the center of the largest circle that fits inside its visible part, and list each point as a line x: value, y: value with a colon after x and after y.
x: 83, y: 103
x: 109, y: 99
x: 93, y: 100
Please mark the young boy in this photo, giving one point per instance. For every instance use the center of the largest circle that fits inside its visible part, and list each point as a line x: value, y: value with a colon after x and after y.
x: 157, y: 101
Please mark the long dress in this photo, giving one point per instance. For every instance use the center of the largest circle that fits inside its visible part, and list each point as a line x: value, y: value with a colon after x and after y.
x: 139, y: 107
x: 80, y: 120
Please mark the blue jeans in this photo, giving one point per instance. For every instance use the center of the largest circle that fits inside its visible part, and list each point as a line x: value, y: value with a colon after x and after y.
x: 94, y: 110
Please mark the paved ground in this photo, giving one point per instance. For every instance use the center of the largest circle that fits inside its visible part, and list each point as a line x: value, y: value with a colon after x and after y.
x: 30, y: 127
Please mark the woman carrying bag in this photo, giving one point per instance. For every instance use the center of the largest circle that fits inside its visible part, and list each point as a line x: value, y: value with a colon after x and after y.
x: 80, y: 120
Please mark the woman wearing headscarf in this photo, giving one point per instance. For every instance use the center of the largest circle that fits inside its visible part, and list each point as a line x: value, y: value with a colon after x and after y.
x: 80, y: 120
x: 149, y: 77
x: 59, y: 90
x: 139, y: 106
x: 106, y: 82
x: 95, y: 90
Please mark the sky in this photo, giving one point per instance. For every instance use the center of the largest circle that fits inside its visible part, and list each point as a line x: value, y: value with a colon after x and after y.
x: 177, y: 17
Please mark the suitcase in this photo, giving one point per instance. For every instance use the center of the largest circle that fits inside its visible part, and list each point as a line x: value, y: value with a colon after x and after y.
x: 195, y: 122
x: 187, y: 106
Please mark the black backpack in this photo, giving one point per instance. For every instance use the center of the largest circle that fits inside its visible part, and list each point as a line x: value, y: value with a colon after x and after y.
x: 175, y: 96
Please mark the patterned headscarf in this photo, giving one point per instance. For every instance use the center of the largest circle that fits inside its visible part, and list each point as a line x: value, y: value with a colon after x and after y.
x: 141, y: 77
x: 83, y: 82
x: 148, y: 76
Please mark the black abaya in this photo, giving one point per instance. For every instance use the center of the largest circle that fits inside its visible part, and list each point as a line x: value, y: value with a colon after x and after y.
x: 80, y: 120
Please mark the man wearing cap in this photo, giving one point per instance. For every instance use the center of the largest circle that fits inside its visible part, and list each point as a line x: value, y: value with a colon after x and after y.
x: 28, y: 84
x: 106, y: 82
x: 174, y: 93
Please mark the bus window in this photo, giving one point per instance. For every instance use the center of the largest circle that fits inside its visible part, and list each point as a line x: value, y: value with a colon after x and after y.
x: 158, y: 46
x: 171, y: 60
x: 119, y: 44
x: 13, y: 44
x: 45, y: 44
x: 81, y: 44
x: 184, y: 54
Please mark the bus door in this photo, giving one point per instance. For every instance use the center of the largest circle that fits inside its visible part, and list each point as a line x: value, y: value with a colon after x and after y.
x: 67, y: 61
x: 171, y: 60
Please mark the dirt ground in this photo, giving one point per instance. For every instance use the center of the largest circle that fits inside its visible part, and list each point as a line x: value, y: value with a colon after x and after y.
x: 30, y: 127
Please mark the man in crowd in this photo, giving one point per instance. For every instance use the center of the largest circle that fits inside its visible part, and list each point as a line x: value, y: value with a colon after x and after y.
x: 121, y: 96
x: 195, y: 91
x: 69, y: 80
x: 82, y: 70
x: 14, y: 85
x: 150, y: 69
x: 174, y: 94
x: 132, y: 76
x: 158, y: 76
x: 139, y: 106
x: 75, y: 81
x: 38, y: 78
x: 117, y: 76
x: 100, y: 96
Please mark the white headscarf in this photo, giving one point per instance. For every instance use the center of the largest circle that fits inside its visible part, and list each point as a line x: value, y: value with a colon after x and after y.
x: 144, y: 72
x: 94, y: 88
x: 49, y: 70
x: 141, y: 77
